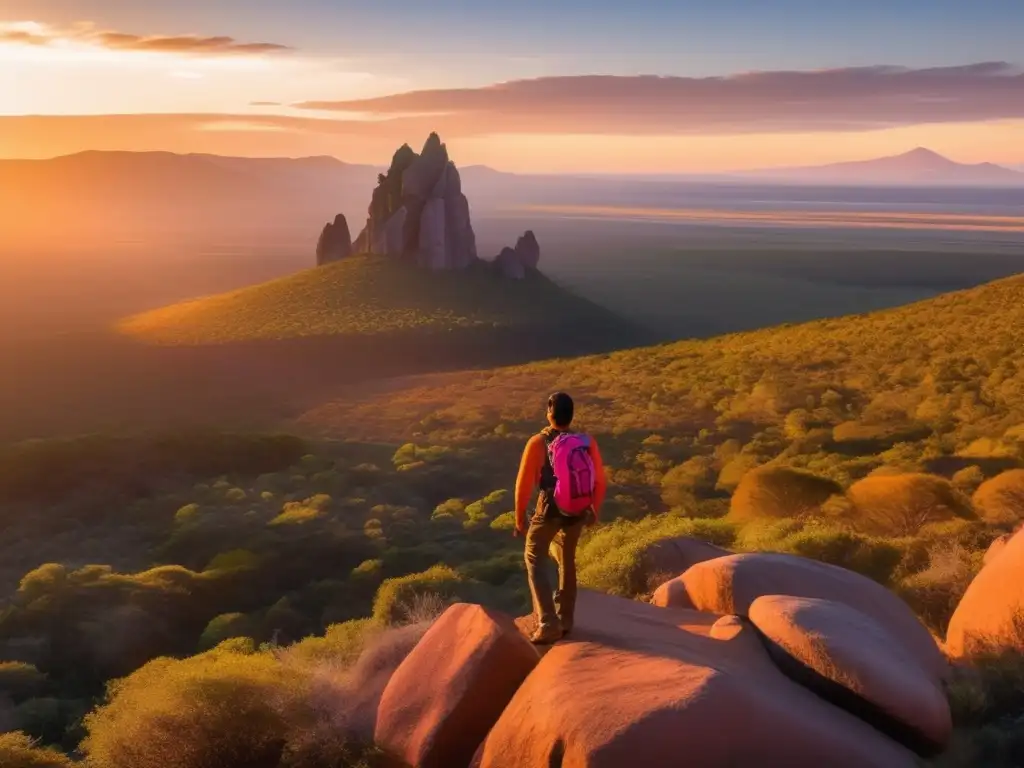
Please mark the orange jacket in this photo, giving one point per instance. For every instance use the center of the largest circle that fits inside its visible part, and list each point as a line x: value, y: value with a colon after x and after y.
x: 534, y: 458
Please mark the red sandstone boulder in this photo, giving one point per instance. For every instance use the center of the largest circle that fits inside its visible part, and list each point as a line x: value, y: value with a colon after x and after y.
x: 446, y: 695
x: 840, y: 651
x: 729, y: 585
x: 638, y: 685
x: 990, y: 617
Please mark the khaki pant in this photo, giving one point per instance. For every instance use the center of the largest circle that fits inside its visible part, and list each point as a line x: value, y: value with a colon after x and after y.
x: 561, y: 534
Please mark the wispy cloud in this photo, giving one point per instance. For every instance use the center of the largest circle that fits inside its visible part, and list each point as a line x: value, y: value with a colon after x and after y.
x: 36, y: 34
x: 850, y: 99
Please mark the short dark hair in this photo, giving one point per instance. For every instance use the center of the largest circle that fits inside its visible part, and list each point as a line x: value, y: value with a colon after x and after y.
x: 560, y: 407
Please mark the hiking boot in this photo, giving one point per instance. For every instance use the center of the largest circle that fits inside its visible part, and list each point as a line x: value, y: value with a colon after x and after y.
x: 546, y: 635
x: 566, y: 628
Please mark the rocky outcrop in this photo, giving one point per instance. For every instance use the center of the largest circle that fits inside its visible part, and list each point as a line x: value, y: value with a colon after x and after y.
x: 848, y: 658
x: 335, y: 242
x: 418, y: 211
x: 433, y: 250
x: 646, y: 686
x: 516, y: 263
x: 509, y: 265
x: 528, y: 250
x: 803, y: 681
x: 446, y: 695
x: 730, y: 585
x: 990, y: 617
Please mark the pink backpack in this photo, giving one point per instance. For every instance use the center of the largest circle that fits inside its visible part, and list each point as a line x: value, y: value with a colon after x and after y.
x: 569, y: 454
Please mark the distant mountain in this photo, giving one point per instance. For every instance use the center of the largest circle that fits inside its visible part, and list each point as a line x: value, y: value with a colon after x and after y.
x: 918, y: 166
x: 139, y: 194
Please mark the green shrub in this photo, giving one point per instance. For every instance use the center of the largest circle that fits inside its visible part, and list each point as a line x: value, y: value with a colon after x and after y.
x: 766, y: 535
x: 611, y: 558
x: 968, y: 479
x: 734, y: 470
x: 504, y: 522
x: 479, y: 512
x: 900, y: 505
x: 186, y: 514
x: 936, y: 591
x: 450, y: 509
x: 341, y: 644
x: 1000, y: 501
x: 19, y: 751
x: 396, y: 598
x: 300, y: 512
x: 684, y: 484
x: 219, y: 708
x: 875, y: 558
x: 225, y: 627
x: 780, y: 492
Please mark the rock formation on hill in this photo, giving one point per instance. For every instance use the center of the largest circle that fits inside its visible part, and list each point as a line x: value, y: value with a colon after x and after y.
x: 518, y: 262
x: 419, y: 213
x: 335, y: 241
x: 739, y: 664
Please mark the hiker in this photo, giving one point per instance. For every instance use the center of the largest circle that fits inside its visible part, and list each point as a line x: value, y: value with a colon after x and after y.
x: 567, y: 466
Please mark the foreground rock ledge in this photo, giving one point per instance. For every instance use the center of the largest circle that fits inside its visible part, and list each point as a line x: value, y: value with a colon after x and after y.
x: 638, y: 685
x: 850, y: 660
x: 730, y: 585
x: 446, y: 695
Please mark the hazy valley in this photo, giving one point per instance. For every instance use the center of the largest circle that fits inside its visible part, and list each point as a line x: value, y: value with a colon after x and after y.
x: 258, y: 476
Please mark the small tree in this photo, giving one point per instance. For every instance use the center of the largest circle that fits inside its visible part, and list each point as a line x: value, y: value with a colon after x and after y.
x: 682, y: 485
x: 1001, y: 500
x: 900, y: 505
x: 780, y: 492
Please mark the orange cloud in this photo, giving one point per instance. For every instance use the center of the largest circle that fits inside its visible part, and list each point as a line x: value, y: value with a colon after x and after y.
x: 182, y: 44
x: 835, y: 100
x: 36, y: 34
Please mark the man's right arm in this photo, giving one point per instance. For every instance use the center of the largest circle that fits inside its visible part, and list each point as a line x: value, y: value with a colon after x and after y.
x: 529, y: 475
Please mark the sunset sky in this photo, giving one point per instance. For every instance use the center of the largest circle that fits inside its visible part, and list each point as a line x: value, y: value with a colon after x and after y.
x: 532, y: 85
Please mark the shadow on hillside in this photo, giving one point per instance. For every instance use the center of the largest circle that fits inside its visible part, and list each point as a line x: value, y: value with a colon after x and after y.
x: 104, y: 381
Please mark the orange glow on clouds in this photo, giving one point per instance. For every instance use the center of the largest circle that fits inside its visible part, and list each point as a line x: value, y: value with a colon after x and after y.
x: 65, y: 90
x: 82, y: 71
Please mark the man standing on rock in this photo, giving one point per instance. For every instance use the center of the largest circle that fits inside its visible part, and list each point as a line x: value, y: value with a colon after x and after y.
x: 567, y: 466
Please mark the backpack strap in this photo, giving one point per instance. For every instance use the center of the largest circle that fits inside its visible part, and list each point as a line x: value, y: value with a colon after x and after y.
x: 547, y: 473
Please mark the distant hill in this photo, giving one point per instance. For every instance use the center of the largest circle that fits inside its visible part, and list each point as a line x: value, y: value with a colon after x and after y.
x: 139, y: 194
x: 253, y: 355
x: 373, y: 295
x: 953, y: 364
x: 918, y: 166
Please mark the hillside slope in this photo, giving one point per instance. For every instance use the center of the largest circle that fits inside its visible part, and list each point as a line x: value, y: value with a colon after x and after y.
x: 369, y: 295
x: 939, y: 374
x: 254, y: 355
